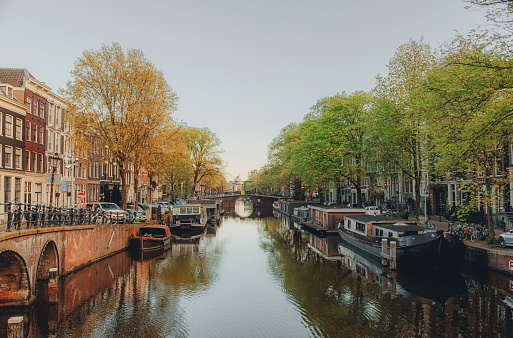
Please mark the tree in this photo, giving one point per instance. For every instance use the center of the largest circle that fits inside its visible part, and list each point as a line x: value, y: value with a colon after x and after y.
x: 400, y: 113
x: 332, y: 142
x: 202, y: 145
x: 498, y: 11
x: 120, y: 98
x: 472, y: 121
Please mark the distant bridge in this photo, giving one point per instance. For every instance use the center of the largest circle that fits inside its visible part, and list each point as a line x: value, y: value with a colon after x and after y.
x: 261, y: 203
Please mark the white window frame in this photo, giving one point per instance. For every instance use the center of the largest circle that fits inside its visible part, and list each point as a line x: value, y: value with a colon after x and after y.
x: 19, y: 135
x: 18, y: 151
x: 10, y: 165
x: 11, y: 119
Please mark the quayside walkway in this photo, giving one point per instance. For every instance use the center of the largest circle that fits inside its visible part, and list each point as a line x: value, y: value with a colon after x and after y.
x: 487, y: 255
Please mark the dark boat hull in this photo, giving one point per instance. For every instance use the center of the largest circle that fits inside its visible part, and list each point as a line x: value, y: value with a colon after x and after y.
x: 149, y: 244
x: 419, y: 251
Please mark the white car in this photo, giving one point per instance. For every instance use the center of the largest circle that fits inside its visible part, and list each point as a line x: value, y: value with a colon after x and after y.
x: 373, y: 210
x: 506, y: 239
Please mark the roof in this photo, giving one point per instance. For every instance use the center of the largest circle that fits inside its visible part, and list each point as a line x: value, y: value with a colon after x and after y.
x: 371, y: 218
x: 14, y: 76
x: 399, y: 226
x: 337, y: 208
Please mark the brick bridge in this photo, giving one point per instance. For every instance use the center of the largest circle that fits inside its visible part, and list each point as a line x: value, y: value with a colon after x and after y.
x: 261, y: 203
x: 27, y: 255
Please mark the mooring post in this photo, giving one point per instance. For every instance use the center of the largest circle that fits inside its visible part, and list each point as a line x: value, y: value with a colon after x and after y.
x: 393, y: 247
x: 393, y: 278
x: 15, y: 327
x: 53, y: 285
x: 384, y: 248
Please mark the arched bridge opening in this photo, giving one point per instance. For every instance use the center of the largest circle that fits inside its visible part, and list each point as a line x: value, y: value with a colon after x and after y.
x: 48, y: 259
x: 14, y: 279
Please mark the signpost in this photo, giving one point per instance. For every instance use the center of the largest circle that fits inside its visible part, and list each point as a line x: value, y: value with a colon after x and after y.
x: 80, y: 195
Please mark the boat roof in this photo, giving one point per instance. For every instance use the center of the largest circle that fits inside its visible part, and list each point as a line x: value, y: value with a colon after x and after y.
x: 399, y: 227
x: 156, y: 226
x: 187, y: 205
x: 372, y: 218
x: 336, y: 208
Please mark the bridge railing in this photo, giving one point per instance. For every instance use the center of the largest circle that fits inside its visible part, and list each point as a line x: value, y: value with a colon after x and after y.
x: 16, y: 216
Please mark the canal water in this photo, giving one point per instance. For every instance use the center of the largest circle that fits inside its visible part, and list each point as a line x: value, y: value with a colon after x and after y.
x: 263, y: 277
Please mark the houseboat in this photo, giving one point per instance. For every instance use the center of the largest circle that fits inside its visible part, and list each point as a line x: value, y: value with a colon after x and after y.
x: 324, y: 219
x: 213, y: 210
x: 151, y: 237
x: 287, y: 207
x: 415, y: 245
x: 187, y: 218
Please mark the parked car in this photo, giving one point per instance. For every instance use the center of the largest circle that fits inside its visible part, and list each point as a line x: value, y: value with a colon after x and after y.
x: 506, y: 239
x: 372, y: 210
x: 109, y: 209
x: 137, y: 216
x: 164, y: 207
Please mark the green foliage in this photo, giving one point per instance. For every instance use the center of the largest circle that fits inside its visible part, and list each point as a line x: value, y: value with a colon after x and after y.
x: 469, y: 215
x: 403, y: 214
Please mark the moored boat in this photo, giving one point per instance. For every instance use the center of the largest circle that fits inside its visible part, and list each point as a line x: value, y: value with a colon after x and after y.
x: 415, y: 246
x: 188, y: 217
x: 151, y: 237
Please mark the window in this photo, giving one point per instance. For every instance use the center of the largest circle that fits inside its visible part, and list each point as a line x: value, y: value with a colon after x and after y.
x: 8, y: 125
x: 28, y: 104
x: 34, y: 162
x: 360, y: 227
x: 57, y: 116
x: 27, y: 131
x: 39, y: 191
x: 41, y: 135
x: 40, y: 163
x: 17, y: 189
x: 19, y: 126
x: 27, y: 160
x: 42, y: 110
x: 8, y: 157
x: 50, y: 140
x: 7, y: 190
x: 34, y: 132
x: 34, y: 107
x: 17, y: 158
x: 28, y: 192
x: 57, y: 148
x: 51, y: 107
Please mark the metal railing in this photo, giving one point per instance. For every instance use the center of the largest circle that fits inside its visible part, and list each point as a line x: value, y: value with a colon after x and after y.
x: 16, y: 216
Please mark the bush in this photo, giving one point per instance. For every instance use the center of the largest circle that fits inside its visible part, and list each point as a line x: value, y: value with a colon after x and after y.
x: 469, y: 215
x: 403, y: 214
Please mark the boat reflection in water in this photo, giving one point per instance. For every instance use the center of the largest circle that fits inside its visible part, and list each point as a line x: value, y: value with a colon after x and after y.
x: 428, y: 287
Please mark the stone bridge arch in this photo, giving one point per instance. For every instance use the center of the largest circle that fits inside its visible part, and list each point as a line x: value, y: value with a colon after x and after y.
x: 15, y: 288
x: 49, y: 258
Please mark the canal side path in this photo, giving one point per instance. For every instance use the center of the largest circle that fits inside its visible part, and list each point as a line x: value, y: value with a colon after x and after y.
x: 489, y: 255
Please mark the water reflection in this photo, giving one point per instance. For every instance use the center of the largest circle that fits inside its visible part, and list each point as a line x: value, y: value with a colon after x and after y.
x: 244, y: 207
x: 263, y: 277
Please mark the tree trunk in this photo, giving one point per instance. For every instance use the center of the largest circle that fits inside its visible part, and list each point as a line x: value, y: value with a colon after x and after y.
x: 417, y: 196
x: 122, y: 173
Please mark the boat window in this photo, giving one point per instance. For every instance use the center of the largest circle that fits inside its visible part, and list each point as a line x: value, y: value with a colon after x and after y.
x: 360, y: 227
x: 189, y: 210
x: 390, y: 234
x: 195, y: 210
x: 183, y: 210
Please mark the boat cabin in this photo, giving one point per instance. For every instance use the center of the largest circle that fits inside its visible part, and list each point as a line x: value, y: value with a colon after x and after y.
x: 212, y: 208
x: 287, y: 207
x: 155, y: 231
x: 381, y: 226
x: 301, y: 214
x: 329, y: 216
x: 188, y: 213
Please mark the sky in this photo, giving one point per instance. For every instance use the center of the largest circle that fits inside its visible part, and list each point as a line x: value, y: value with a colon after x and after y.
x: 244, y: 69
